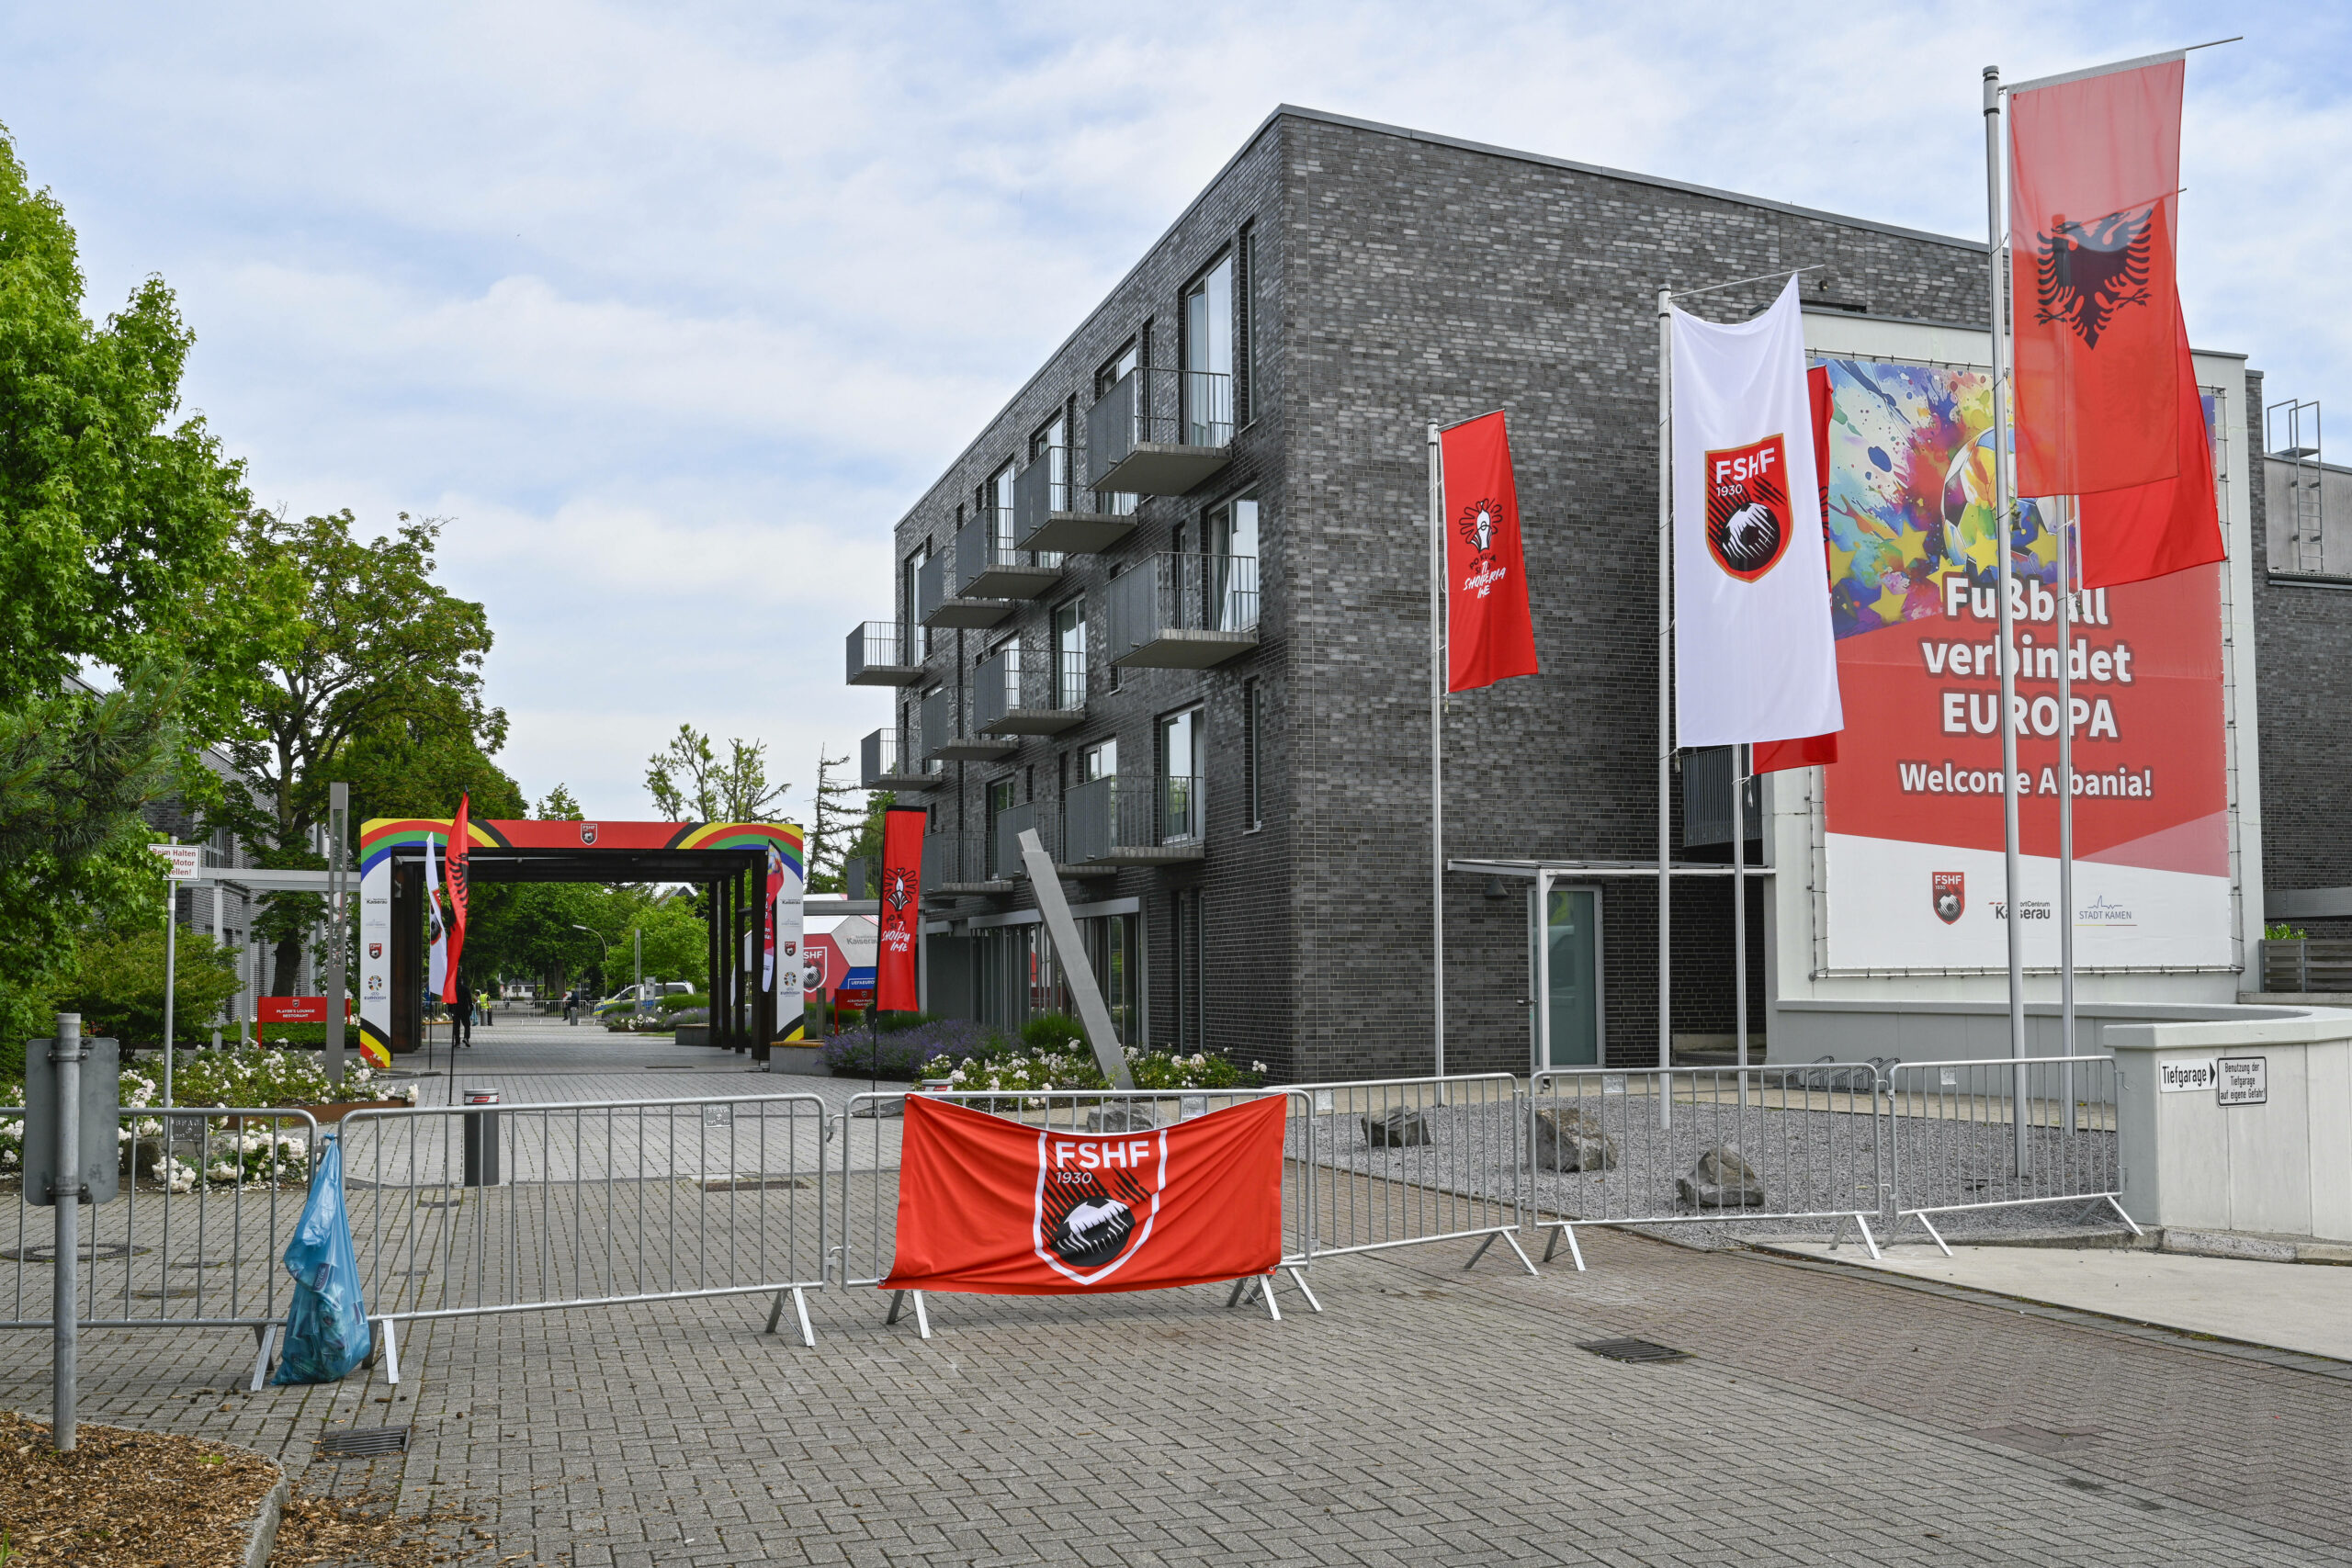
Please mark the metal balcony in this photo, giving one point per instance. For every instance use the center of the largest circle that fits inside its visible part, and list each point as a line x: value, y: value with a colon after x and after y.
x: 880, y: 765
x: 1005, y: 845
x: 1160, y: 432
x: 1050, y: 514
x: 1182, y: 612
x: 937, y: 605
x: 1150, y: 821
x: 947, y: 738
x: 879, y: 656
x: 954, y: 865
x: 989, y: 565
x: 1012, y: 695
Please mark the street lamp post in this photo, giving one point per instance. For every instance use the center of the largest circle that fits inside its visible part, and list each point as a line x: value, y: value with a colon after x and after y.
x: 607, y: 949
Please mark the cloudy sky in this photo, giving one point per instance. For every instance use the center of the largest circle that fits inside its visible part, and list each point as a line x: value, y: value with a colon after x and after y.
x: 671, y: 310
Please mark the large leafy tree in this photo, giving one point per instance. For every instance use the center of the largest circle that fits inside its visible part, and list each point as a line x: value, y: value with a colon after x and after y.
x: 690, y: 784
x: 129, y: 628
x: 386, y: 663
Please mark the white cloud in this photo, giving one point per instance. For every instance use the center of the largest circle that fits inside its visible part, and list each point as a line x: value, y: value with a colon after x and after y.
x: 675, y: 308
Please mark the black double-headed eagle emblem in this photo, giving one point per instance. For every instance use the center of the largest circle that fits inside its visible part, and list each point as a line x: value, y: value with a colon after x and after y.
x: 2084, y: 272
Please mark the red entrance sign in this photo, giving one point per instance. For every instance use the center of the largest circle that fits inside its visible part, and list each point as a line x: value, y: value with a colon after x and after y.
x: 294, y: 1010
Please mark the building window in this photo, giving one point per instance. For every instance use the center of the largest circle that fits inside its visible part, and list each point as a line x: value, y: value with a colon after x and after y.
x: 1000, y: 801
x: 918, y: 635
x: 1245, y: 326
x: 1208, y: 356
x: 1111, y: 672
x: 1000, y: 509
x: 1185, y: 939
x: 1120, y: 366
x: 1252, y: 715
x: 1099, y: 761
x: 1230, y: 583
x: 1180, y: 800
x: 1109, y: 951
x: 1069, y: 655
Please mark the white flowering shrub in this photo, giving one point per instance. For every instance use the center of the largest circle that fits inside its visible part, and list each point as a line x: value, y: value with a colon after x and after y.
x: 1075, y: 1069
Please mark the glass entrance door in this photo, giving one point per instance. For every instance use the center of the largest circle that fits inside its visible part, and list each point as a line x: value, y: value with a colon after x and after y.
x: 1572, y: 933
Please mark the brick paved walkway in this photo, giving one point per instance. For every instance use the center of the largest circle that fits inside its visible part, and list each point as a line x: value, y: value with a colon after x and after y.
x: 1427, y: 1415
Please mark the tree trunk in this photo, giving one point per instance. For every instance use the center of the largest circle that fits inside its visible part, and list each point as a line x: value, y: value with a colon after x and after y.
x: 287, y: 969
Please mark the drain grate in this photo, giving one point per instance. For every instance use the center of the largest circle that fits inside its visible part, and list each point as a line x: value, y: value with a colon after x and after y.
x: 1634, y: 1350
x: 367, y: 1442
x: 88, y: 1252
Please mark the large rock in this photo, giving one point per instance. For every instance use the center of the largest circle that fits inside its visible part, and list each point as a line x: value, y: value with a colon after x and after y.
x: 1126, y: 1116
x: 1569, y: 1138
x: 1722, y: 1180
x: 1395, y: 1128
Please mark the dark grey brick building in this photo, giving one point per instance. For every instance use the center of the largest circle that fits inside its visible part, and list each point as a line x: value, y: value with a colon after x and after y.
x: 1228, y: 457
x: 1170, y: 608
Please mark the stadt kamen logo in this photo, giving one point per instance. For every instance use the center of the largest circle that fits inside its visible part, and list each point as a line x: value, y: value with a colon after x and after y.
x: 1747, y: 507
x: 2084, y: 272
x: 1949, y: 891
x: 1097, y: 1200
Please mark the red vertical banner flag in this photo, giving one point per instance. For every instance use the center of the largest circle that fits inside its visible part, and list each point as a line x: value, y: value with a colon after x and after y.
x: 897, y: 975
x: 1809, y: 751
x: 1490, y: 635
x: 2155, y: 530
x: 460, y: 844
x: 2094, y: 173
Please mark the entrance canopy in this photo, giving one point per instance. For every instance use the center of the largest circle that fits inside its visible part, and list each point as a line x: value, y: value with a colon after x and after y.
x: 753, y: 872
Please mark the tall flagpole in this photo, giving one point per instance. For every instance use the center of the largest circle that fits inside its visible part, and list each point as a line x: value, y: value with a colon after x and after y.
x: 1665, y: 693
x: 1743, y: 759
x: 2069, y: 546
x: 1436, y: 748
x: 2012, y: 883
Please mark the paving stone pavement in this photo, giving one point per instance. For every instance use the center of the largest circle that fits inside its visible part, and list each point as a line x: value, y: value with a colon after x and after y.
x: 1427, y: 1416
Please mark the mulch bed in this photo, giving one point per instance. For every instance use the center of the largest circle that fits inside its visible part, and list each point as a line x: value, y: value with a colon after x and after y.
x: 125, y: 1499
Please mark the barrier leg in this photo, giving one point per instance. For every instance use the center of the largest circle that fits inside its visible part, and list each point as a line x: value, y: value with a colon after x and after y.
x: 800, y: 1305
x: 1567, y: 1233
x: 1266, y: 1288
x: 265, y: 1340
x: 1482, y: 1249
x: 1513, y: 1241
x: 1233, y: 1299
x: 1934, y: 1235
x: 1868, y: 1240
x: 923, y: 1318
x: 2124, y: 1217
x: 391, y: 1351
x: 1298, y: 1278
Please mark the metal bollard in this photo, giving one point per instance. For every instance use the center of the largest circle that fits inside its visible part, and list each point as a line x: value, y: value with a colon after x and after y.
x: 66, y: 1053
x: 480, y: 1138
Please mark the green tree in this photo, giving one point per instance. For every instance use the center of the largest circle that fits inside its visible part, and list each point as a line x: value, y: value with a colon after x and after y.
x: 559, y: 806
x: 383, y: 656
x: 689, y: 784
x: 117, y: 985
x: 116, y: 519
x: 839, y: 811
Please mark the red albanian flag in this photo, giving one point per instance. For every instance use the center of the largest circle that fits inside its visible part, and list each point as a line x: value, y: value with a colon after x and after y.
x: 1808, y: 750
x: 1490, y: 635
x: 2094, y: 167
x: 457, y: 870
x: 2153, y: 530
x: 1001, y: 1208
x: 897, y: 978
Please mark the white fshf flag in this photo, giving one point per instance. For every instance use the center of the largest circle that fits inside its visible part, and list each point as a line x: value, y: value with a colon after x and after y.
x: 1755, y: 657
x: 437, y: 963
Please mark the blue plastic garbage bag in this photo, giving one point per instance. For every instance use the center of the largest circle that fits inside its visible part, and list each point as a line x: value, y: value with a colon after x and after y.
x: 326, y: 1328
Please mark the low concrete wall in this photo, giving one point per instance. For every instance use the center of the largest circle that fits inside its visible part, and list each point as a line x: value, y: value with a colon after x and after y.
x: 2283, y: 1167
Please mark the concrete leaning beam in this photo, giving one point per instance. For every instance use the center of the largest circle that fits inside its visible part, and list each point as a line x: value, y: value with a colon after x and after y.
x: 1047, y: 883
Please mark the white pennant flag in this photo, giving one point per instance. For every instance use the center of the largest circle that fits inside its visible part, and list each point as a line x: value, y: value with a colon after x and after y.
x: 1755, y: 657
x: 437, y: 964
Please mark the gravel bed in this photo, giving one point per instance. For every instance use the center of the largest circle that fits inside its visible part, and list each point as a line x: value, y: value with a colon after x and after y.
x: 1812, y: 1163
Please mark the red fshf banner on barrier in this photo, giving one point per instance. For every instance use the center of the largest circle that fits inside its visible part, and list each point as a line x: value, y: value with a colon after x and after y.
x: 897, y: 977
x: 1490, y: 635
x: 997, y: 1207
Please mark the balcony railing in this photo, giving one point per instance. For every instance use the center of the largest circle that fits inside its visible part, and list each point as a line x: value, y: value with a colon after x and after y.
x: 990, y: 566
x: 1051, y: 514
x: 947, y: 738
x: 1139, y: 822
x: 1012, y: 695
x: 1158, y: 432
x: 1182, y: 612
x: 883, y: 764
x: 939, y: 604
x: 879, y: 656
x: 956, y: 864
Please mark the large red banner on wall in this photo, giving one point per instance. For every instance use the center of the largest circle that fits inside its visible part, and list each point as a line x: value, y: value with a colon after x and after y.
x: 1913, y: 813
x: 999, y: 1207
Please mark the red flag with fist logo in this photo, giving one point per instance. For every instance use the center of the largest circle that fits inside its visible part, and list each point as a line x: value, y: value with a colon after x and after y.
x: 1489, y: 633
x: 1006, y: 1208
x: 897, y: 975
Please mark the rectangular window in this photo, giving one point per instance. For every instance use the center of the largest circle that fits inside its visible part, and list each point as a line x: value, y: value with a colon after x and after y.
x: 917, y: 636
x: 1230, y: 583
x: 1252, y: 715
x: 1208, y: 356
x: 1110, y: 947
x: 1179, y: 777
x: 1186, y: 938
x: 1121, y: 364
x: 1000, y: 506
x: 1050, y: 445
x: 1069, y: 655
x: 1245, y: 326
x: 1099, y: 761
x: 1000, y: 801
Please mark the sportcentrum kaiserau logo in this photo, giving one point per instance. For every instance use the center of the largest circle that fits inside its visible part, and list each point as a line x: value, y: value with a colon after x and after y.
x: 1097, y: 1199
x: 2084, y: 272
x: 1747, y: 507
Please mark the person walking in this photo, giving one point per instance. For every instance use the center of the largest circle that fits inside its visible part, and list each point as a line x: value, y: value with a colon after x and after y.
x: 461, y: 1015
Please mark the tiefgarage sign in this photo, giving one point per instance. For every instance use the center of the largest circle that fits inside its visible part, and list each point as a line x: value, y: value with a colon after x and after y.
x: 2186, y: 1078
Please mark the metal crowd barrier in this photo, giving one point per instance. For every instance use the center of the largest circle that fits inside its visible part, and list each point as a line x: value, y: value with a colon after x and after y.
x: 868, y: 1167
x: 477, y: 1208
x: 1400, y: 1162
x: 2001, y: 1134
x: 208, y: 1195
x: 1683, y: 1146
